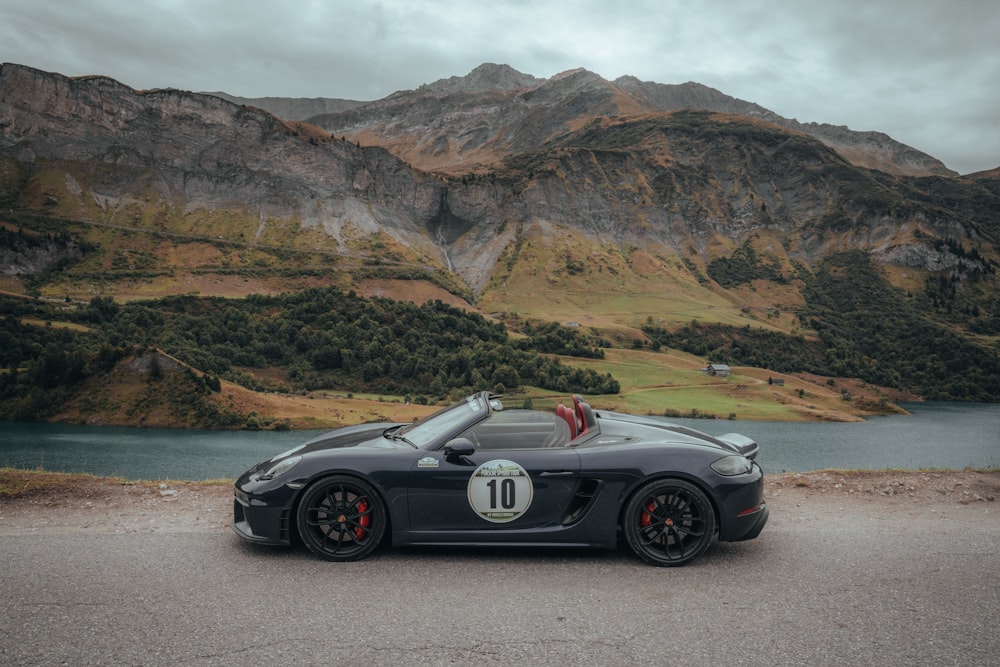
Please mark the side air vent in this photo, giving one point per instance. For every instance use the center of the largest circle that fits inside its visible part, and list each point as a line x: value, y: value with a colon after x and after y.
x: 284, y: 526
x: 583, y: 499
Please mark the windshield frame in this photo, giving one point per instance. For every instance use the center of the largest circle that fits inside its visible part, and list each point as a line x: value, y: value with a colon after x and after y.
x: 434, y: 431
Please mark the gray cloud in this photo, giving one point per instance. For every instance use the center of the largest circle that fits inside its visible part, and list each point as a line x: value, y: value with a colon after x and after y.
x: 927, y: 72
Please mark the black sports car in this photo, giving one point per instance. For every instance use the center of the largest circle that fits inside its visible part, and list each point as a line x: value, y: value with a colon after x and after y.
x: 476, y: 474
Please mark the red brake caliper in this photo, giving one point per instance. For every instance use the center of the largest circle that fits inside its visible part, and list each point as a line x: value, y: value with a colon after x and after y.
x: 647, y: 519
x: 365, y: 520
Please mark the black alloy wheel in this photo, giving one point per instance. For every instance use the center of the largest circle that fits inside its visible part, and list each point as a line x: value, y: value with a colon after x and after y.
x: 669, y: 522
x: 341, y: 518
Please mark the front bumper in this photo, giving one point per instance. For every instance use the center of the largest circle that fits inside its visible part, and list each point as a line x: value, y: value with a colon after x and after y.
x: 257, y: 522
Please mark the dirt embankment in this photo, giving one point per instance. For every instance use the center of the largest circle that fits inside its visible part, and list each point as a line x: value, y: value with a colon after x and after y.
x: 38, y: 502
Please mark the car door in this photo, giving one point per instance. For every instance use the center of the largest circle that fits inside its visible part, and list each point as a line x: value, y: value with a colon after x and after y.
x: 491, y: 490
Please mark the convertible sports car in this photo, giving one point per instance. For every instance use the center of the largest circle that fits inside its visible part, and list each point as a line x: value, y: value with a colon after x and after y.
x: 476, y: 474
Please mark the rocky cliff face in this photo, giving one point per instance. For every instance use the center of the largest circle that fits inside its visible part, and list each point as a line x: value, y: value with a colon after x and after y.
x: 200, y: 152
x: 617, y: 163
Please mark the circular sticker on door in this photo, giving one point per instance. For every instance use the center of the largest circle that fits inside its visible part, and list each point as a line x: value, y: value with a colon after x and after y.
x: 500, y: 491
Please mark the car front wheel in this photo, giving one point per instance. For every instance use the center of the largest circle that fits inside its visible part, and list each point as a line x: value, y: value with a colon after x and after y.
x: 341, y: 518
x: 669, y: 522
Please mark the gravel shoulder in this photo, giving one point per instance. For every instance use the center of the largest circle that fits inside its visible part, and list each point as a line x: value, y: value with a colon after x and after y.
x: 40, y: 503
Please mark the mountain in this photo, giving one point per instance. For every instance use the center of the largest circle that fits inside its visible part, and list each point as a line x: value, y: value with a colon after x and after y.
x: 499, y: 99
x: 627, y: 206
x: 498, y: 153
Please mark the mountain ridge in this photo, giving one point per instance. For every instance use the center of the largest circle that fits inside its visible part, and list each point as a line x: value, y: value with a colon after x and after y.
x: 864, y: 148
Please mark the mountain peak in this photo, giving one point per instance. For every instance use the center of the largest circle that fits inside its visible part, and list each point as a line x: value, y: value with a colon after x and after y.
x: 488, y: 76
x: 572, y: 73
x: 580, y: 76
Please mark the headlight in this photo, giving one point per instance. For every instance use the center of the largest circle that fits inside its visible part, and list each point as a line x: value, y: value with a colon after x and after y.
x: 732, y: 465
x: 281, y: 467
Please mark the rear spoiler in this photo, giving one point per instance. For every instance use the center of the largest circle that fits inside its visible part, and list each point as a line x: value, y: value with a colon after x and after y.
x: 748, y: 447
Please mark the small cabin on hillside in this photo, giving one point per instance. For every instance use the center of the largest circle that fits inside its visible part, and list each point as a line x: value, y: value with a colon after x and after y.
x: 718, y: 370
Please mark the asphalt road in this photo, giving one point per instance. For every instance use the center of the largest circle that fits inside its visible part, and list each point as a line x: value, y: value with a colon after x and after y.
x: 825, y: 584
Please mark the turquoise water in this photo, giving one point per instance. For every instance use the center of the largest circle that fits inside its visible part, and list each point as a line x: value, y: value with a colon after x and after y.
x: 140, y: 453
x: 935, y: 435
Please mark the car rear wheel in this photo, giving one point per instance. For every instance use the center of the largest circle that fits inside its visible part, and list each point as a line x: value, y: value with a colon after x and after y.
x: 341, y: 518
x: 669, y: 522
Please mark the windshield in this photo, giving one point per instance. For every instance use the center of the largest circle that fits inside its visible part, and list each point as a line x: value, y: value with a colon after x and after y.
x: 434, y: 430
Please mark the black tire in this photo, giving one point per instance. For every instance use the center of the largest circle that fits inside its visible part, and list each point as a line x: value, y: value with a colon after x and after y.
x: 341, y: 518
x: 668, y: 522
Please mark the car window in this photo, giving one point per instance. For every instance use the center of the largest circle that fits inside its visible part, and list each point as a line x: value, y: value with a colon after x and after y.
x: 519, y: 429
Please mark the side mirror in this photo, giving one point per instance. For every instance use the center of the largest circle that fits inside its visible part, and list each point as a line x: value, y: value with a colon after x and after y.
x: 458, y: 448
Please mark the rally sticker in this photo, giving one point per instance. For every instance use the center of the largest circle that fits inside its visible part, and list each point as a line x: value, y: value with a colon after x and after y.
x: 500, y: 491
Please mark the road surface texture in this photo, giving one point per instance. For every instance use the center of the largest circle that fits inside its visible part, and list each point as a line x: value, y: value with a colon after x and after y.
x: 853, y: 569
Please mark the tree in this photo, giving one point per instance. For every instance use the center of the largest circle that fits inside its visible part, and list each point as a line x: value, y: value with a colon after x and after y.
x: 507, y: 375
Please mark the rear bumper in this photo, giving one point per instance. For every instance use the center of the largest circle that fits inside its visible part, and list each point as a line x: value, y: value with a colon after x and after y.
x: 745, y: 511
x: 747, y: 526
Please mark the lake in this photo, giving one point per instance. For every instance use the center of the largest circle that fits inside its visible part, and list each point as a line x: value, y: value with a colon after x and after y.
x: 935, y: 435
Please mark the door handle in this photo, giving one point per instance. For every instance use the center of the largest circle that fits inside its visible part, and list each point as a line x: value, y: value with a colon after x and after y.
x: 556, y: 473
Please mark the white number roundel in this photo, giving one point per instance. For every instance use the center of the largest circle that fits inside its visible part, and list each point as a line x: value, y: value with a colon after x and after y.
x: 500, y: 491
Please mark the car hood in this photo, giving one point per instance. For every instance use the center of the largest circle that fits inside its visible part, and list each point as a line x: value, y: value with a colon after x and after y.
x: 342, y: 439
x: 734, y: 443
x: 362, y: 435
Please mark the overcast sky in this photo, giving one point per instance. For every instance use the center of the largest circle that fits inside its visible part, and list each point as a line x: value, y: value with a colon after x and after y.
x: 926, y: 72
